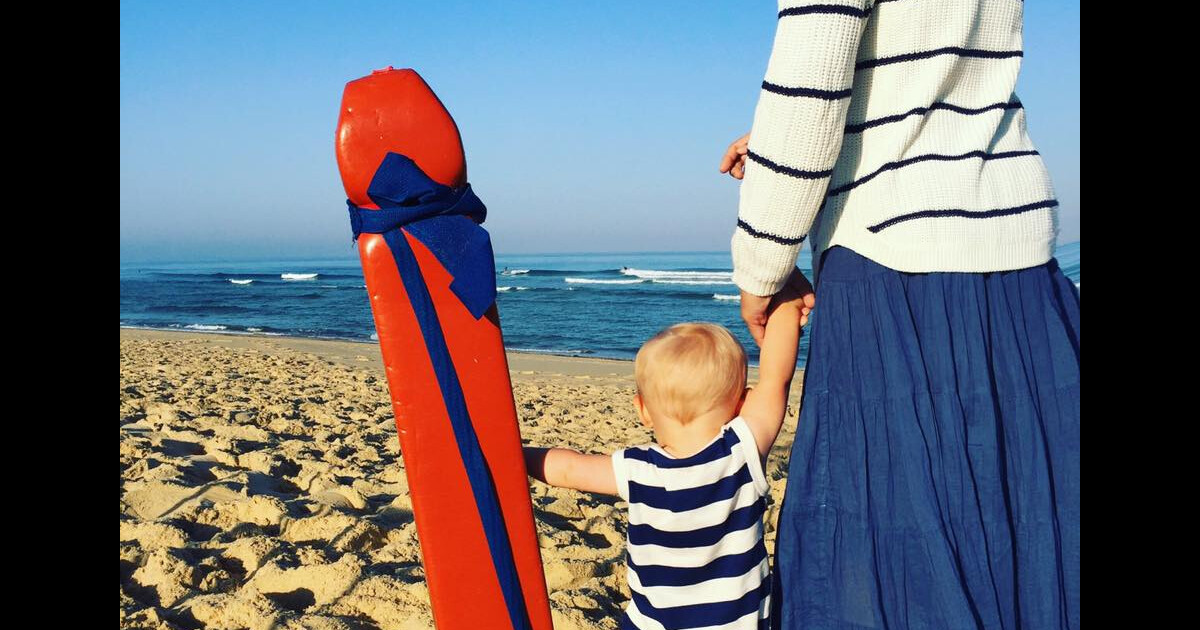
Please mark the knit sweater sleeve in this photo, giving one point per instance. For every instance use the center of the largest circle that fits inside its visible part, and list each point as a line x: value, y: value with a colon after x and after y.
x: 796, y: 136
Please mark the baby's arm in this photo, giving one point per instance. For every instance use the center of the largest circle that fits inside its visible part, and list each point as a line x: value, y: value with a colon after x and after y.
x: 565, y: 468
x: 766, y: 404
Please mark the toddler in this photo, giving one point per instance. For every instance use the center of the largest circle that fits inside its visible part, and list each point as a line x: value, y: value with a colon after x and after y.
x: 695, y: 553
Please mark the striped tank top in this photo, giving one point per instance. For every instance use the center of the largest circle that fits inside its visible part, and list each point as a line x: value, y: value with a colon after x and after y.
x: 695, y: 554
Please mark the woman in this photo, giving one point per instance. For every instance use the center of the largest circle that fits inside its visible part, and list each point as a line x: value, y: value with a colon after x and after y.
x: 934, y: 479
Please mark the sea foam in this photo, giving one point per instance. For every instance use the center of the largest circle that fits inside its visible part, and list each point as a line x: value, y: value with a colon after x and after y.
x: 677, y: 274
x: 206, y: 327
x: 602, y: 281
x: 685, y: 281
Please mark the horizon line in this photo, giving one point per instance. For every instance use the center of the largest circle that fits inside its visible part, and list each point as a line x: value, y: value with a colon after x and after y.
x: 153, y: 261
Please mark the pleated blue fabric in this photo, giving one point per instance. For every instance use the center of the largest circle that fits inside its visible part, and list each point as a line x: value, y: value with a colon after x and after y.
x: 934, y: 479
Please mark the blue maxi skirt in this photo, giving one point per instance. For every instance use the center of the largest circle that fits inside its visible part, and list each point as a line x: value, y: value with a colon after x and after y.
x: 934, y: 480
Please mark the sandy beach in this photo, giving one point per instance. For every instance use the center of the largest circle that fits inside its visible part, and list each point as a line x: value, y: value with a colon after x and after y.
x: 262, y: 485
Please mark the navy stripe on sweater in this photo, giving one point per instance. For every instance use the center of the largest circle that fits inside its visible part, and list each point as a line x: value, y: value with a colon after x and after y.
x: 970, y: 214
x: 926, y: 54
x: 732, y: 565
x: 775, y: 238
x: 969, y: 111
x: 787, y: 170
x: 829, y: 95
x: 827, y: 9
x: 891, y: 166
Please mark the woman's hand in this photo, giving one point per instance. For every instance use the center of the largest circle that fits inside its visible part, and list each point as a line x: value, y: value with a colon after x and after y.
x: 757, y: 309
x: 734, y: 161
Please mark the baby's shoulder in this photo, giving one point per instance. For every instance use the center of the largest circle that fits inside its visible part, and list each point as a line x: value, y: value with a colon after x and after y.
x: 652, y: 457
x: 729, y: 461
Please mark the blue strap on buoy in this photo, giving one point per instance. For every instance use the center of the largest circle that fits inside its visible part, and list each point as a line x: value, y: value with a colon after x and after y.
x: 444, y: 219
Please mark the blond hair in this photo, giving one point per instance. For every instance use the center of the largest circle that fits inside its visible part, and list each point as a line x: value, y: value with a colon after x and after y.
x: 689, y: 369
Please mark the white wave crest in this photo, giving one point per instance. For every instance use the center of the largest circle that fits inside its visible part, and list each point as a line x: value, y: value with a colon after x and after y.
x: 240, y: 281
x: 298, y: 276
x: 205, y: 327
x: 513, y: 272
x: 502, y: 289
x: 678, y: 275
x: 602, y: 281
x: 675, y: 281
x: 718, y: 296
x: 545, y: 351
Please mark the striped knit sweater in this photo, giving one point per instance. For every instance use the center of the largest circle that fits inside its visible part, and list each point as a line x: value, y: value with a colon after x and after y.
x: 892, y: 127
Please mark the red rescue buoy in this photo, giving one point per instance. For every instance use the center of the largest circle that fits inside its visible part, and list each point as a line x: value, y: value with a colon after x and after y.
x: 395, y: 111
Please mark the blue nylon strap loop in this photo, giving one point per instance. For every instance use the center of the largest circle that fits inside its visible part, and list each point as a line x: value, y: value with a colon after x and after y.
x: 447, y: 222
x: 444, y: 219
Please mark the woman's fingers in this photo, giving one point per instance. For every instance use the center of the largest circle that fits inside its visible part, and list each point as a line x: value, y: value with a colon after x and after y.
x: 734, y: 160
x: 730, y: 158
x: 754, y: 313
x: 739, y: 169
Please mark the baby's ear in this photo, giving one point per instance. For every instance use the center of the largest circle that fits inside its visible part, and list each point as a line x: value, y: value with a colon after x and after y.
x: 737, y: 411
x: 643, y: 414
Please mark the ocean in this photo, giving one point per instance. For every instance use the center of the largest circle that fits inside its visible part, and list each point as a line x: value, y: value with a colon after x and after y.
x: 597, y: 305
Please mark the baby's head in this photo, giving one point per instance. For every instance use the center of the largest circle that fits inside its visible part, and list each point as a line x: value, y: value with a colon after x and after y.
x: 689, y: 371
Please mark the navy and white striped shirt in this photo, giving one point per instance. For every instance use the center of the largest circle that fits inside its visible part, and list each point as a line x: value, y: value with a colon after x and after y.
x: 695, y: 553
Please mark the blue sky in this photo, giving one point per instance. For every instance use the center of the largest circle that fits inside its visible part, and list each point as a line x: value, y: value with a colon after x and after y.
x: 592, y: 127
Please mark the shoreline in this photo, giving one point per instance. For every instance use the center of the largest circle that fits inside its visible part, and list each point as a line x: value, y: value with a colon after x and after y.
x: 366, y: 353
x: 521, y: 365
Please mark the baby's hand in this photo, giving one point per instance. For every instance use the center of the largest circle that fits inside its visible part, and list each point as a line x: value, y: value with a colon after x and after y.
x: 797, y: 294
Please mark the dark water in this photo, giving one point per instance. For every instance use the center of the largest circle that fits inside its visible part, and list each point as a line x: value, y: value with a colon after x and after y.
x: 602, y: 305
